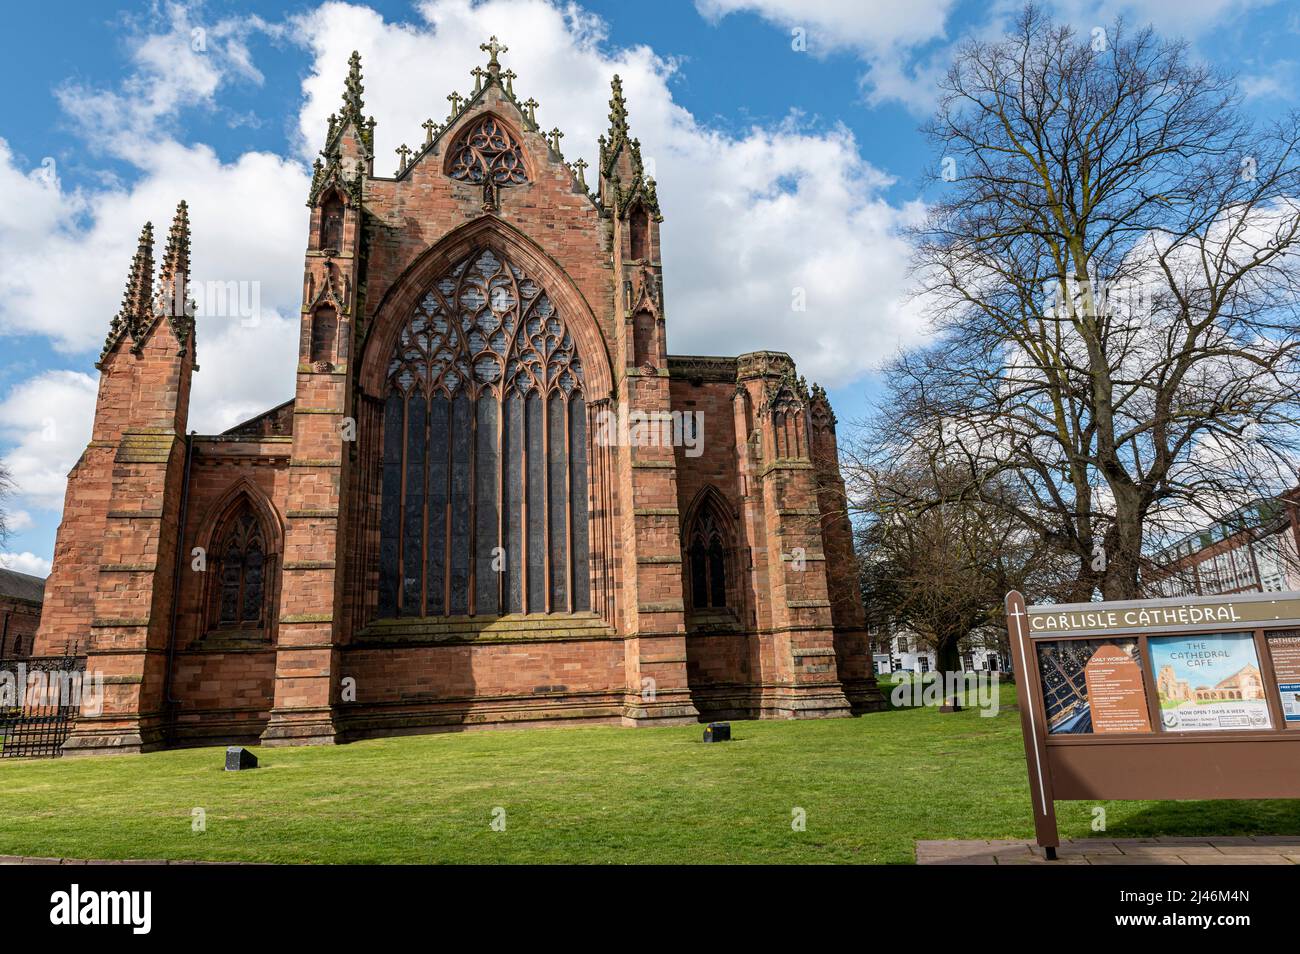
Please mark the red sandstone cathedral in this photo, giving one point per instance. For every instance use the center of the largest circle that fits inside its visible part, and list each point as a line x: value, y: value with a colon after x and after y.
x: 440, y: 529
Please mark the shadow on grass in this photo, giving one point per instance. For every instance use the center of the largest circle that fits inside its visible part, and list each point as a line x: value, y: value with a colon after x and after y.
x: 1198, y: 819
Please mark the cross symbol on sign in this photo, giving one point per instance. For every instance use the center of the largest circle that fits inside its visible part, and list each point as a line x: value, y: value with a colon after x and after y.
x: 1017, y: 614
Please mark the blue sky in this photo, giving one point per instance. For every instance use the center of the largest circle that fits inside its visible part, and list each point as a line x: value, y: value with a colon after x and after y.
x: 779, y: 168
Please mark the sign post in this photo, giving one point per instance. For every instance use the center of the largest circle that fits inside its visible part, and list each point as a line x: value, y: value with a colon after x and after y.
x: 1157, y: 699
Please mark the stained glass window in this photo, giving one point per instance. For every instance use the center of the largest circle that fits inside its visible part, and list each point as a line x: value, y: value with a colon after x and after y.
x: 484, y: 496
x: 706, y: 557
x: 239, y: 599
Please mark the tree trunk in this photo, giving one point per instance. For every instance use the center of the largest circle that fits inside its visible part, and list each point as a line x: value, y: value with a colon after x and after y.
x: 947, y: 657
x: 1119, y: 581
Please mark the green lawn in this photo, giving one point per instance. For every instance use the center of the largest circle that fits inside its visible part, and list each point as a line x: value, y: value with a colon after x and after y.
x: 869, y: 786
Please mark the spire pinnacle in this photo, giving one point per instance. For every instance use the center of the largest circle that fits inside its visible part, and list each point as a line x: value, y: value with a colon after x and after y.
x: 174, y: 280
x: 353, y: 105
x: 617, y: 111
x: 353, y: 111
x: 137, y: 303
x: 136, y: 312
x: 623, y: 177
x: 176, y: 257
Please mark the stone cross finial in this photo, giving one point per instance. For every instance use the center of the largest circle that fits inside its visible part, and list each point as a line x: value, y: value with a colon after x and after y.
x: 492, y: 48
x: 478, y: 73
x: 454, y: 99
x: 531, y: 105
x: 404, y: 153
x: 429, y: 126
x: 509, y: 77
x: 556, y: 136
x: 581, y: 165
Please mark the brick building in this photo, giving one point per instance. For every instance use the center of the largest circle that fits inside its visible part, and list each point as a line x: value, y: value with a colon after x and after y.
x: 494, y: 497
x: 1255, y: 549
x: 20, y: 612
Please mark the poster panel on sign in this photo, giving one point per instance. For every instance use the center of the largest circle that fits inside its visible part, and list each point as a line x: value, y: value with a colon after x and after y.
x: 1092, y: 686
x: 1284, y: 649
x: 1209, y: 682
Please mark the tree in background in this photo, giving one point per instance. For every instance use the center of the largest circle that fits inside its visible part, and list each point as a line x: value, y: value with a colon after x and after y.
x: 1111, y: 276
x: 939, y: 563
x: 6, y: 488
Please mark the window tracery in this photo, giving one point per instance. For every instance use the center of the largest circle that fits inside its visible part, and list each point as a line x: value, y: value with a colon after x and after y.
x: 484, y: 494
x: 242, y: 572
x: 486, y: 151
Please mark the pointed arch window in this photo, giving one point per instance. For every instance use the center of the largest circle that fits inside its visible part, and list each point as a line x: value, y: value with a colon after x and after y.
x: 487, y: 150
x: 708, y: 547
x: 243, y: 572
x: 331, y: 222
x: 484, y: 486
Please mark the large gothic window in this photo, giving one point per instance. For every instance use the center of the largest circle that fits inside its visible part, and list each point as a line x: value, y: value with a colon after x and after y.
x: 487, y: 150
x: 241, y: 591
x: 484, y: 494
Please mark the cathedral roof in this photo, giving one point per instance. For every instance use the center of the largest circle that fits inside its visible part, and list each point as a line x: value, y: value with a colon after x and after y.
x: 21, y: 586
x: 277, y: 422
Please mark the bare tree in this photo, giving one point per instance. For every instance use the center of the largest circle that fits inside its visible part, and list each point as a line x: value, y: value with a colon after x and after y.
x: 1114, y: 291
x: 6, y: 488
x: 939, y: 564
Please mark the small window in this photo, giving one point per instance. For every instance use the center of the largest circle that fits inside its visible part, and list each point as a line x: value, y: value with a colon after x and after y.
x: 331, y: 223
x: 639, y: 239
x: 707, y: 556
x: 324, y: 331
x: 240, y: 598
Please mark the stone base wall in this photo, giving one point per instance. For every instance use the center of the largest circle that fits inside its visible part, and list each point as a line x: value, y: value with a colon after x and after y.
x: 410, y: 677
x: 221, y: 696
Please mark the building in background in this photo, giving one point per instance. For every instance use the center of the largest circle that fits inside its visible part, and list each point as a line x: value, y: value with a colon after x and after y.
x: 21, y: 596
x: 1255, y: 549
x: 896, y: 650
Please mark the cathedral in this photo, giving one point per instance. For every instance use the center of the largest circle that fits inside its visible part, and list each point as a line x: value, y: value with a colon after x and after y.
x: 495, y: 497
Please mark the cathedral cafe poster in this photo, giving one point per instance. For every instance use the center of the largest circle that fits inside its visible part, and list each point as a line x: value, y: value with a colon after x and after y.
x: 1209, y: 682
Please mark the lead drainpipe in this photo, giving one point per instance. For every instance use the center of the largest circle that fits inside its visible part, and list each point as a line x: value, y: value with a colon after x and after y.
x: 176, y: 572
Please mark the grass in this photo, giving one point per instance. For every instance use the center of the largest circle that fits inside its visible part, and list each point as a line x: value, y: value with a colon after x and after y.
x: 869, y: 786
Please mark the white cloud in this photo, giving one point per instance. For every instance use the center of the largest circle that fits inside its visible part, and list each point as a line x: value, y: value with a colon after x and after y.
x: 1277, y: 80
x: 25, y: 562
x: 17, y: 520
x: 889, y: 37
x: 846, y: 24
x: 247, y: 217
x: 1188, y: 18
x: 47, y: 421
x: 907, y: 46
x: 180, y: 67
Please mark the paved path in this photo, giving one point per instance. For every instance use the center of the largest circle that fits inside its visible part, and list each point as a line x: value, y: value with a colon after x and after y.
x: 1236, y: 850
